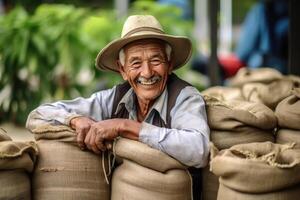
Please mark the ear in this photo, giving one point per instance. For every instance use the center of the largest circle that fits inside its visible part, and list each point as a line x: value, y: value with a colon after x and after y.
x: 171, y: 66
x: 121, y: 70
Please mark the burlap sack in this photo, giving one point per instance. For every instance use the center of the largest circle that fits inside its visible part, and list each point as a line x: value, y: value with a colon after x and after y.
x: 294, y: 78
x: 143, y: 155
x: 224, y: 139
x: 17, y: 155
x: 260, y: 75
x: 284, y: 136
x: 269, y: 94
x: 224, y: 93
x: 65, y: 171
x: 14, y: 185
x: 226, y: 193
x: 251, y: 92
x: 140, y: 175
x: 4, y: 136
x: 16, y: 162
x: 231, y: 115
x: 133, y: 181
x: 288, y: 111
x: 267, y: 167
x: 59, y: 133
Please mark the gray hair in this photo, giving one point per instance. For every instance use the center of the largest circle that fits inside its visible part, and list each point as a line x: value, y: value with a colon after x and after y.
x: 168, y: 50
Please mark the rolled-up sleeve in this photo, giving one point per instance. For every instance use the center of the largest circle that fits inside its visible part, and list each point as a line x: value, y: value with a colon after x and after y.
x: 98, y: 107
x: 188, y: 139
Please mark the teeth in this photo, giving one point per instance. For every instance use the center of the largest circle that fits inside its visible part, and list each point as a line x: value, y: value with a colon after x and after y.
x: 150, y: 81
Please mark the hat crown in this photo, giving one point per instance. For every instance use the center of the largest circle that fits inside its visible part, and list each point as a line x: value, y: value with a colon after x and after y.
x: 136, y: 23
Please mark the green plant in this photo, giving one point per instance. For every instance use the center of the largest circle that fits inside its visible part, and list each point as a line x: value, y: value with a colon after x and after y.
x: 40, y: 55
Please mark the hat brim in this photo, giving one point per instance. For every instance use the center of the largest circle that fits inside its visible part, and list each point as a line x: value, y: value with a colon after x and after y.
x: 181, y: 50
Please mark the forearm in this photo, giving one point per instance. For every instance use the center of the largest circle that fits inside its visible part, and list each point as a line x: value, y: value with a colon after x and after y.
x: 190, y: 147
x: 129, y: 129
x: 48, y: 115
x: 97, y: 107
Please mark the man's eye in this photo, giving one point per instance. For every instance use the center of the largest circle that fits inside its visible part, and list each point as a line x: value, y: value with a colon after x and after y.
x: 135, y: 64
x: 155, y: 62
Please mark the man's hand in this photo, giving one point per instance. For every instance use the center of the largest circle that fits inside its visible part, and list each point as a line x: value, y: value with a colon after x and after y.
x: 97, y: 135
x: 102, y: 132
x: 82, y: 126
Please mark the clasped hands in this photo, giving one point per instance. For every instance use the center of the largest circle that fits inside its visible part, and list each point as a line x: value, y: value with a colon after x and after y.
x: 95, y: 136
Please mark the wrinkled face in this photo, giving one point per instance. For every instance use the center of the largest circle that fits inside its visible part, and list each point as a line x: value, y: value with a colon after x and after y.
x: 146, y: 68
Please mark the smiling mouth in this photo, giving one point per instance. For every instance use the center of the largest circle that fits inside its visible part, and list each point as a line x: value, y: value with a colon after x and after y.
x: 151, y: 81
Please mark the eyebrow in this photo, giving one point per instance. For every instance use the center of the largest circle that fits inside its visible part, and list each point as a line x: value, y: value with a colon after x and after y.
x: 133, y: 59
x: 156, y: 55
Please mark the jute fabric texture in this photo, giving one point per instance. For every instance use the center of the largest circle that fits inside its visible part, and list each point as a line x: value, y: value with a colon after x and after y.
x: 267, y: 167
x: 58, y: 133
x: 224, y: 93
x: 140, y: 177
x: 64, y: 171
x: 288, y: 111
x: 17, y: 155
x: 3, y: 135
x: 146, y: 156
x: 133, y: 181
x: 226, y: 193
x: 231, y: 115
x: 15, y: 185
x: 260, y: 75
x: 16, y: 163
x: 224, y: 139
x: 269, y: 94
x: 284, y: 136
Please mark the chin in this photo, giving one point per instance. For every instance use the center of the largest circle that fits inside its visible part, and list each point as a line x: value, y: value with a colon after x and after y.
x: 148, y: 94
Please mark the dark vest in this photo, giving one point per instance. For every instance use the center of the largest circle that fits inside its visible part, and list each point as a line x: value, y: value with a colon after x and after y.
x: 174, y: 87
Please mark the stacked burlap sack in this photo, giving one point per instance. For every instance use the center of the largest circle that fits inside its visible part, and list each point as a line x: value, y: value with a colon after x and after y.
x: 16, y: 164
x: 146, y: 173
x: 260, y: 75
x: 264, y: 85
x: 288, y: 114
x: 258, y: 171
x: 235, y: 122
x: 224, y: 93
x: 63, y: 171
x: 243, y: 113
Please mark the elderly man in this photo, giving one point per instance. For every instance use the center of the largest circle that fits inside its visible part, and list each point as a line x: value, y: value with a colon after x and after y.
x: 153, y: 106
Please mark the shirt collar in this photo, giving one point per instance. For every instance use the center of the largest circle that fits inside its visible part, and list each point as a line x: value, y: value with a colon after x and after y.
x: 160, y: 104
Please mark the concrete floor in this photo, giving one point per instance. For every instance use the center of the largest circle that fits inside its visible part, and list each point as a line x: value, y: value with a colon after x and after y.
x: 17, y: 133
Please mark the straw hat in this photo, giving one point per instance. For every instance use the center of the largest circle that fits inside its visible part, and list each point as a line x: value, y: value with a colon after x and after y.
x: 138, y: 27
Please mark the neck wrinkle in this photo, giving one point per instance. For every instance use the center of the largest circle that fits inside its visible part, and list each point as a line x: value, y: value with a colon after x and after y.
x: 143, y: 108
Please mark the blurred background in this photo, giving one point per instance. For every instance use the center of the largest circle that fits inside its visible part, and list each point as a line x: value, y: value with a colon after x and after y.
x: 48, y: 47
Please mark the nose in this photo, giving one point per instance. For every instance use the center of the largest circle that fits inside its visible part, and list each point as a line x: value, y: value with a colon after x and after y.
x: 146, y: 70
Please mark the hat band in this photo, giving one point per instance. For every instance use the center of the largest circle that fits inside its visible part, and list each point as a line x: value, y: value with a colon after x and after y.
x: 143, y: 29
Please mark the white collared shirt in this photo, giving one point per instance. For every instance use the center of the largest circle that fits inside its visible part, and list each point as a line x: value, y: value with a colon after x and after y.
x: 186, y: 141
